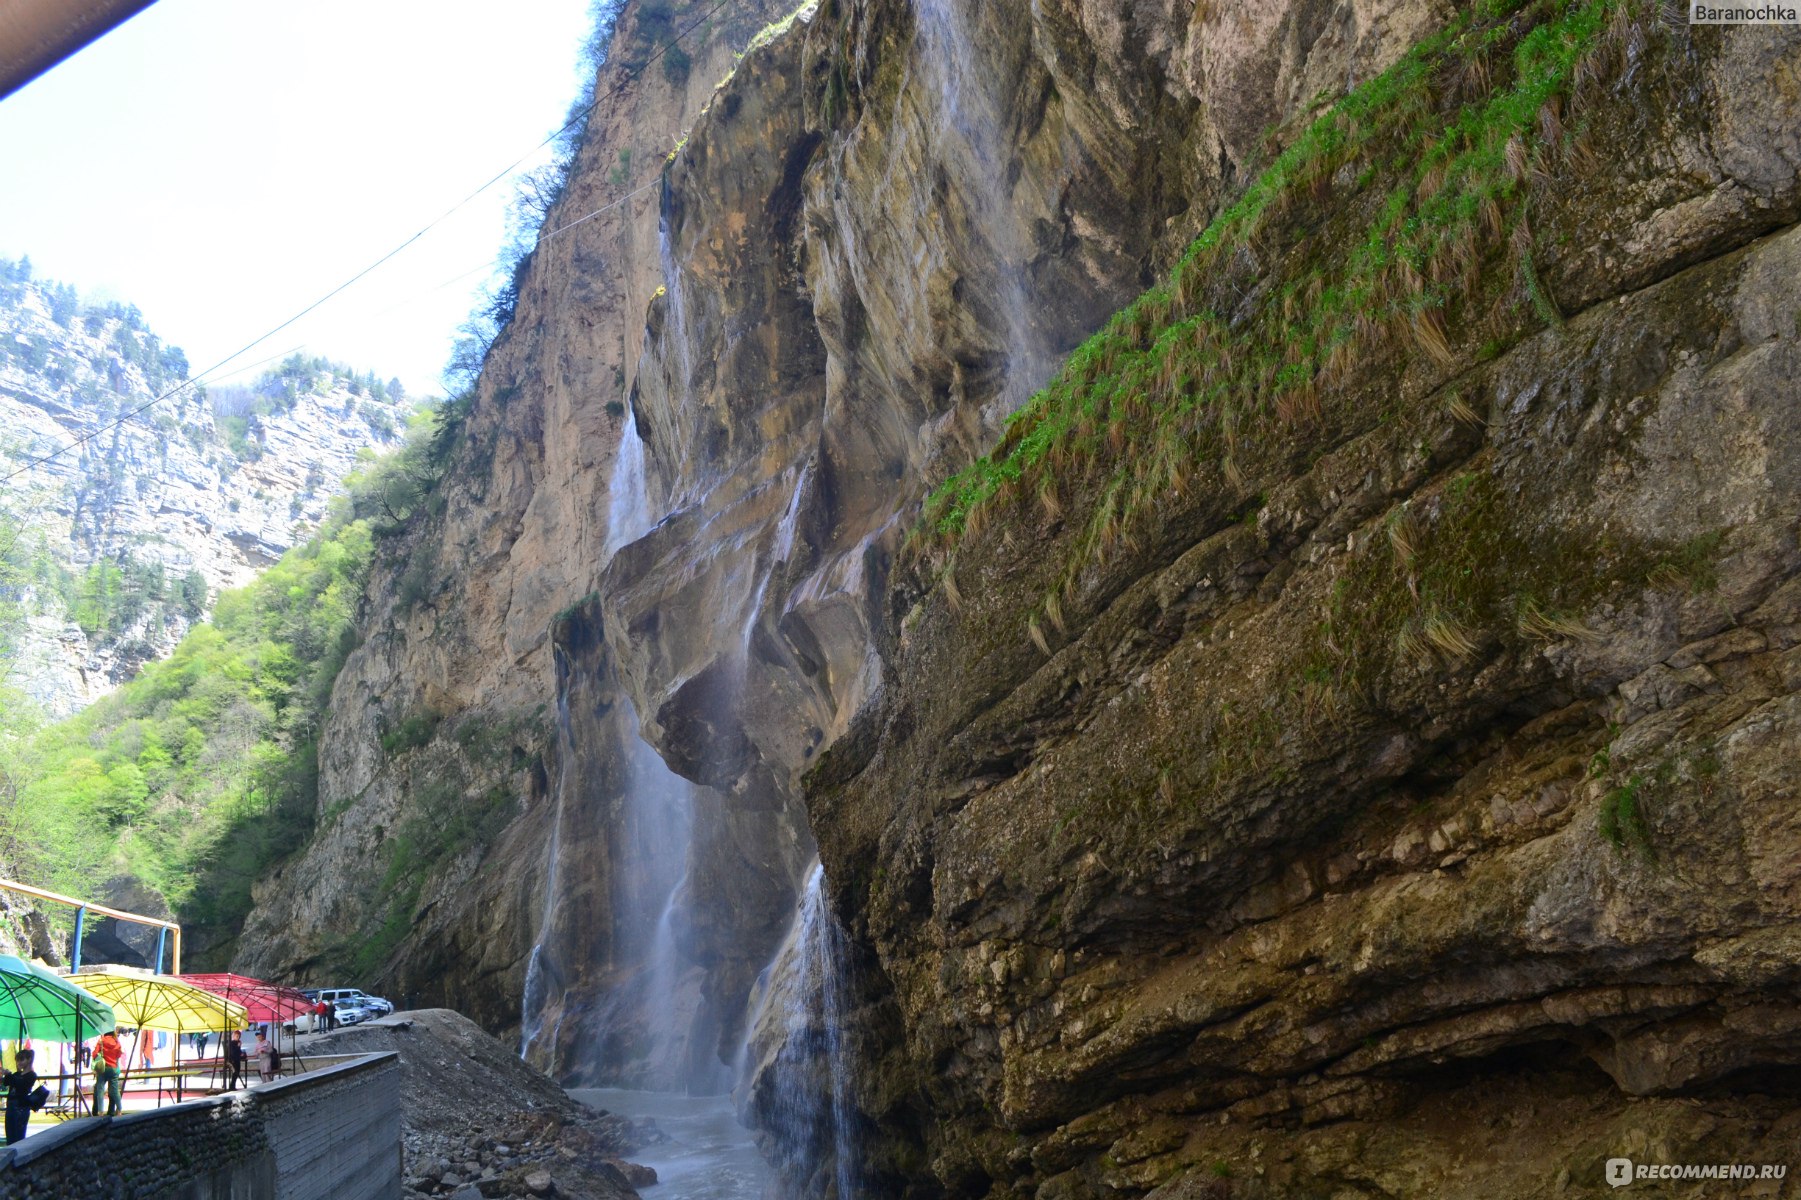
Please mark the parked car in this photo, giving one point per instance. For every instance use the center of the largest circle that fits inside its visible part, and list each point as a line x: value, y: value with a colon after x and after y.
x: 356, y: 996
x: 349, y: 1013
x: 350, y: 1006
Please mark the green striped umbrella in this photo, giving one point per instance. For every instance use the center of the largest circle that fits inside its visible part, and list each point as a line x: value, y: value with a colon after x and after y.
x: 38, y: 1003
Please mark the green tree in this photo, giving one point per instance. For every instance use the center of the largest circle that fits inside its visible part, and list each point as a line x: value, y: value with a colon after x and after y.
x: 65, y: 304
x: 128, y: 793
x: 190, y: 594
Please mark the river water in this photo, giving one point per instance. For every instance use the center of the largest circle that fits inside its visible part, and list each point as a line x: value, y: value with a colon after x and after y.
x: 709, y: 1155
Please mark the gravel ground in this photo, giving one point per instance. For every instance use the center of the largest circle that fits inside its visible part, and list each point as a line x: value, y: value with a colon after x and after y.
x: 480, y: 1123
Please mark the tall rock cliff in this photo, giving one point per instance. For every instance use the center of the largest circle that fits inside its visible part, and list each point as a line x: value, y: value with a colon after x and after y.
x: 1341, y: 741
x: 1321, y: 704
x: 138, y: 528
x: 693, y: 452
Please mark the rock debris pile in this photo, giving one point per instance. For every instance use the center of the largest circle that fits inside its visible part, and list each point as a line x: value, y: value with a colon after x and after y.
x: 478, y: 1122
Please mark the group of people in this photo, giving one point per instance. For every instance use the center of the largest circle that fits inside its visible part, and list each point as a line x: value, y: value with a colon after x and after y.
x: 25, y: 1095
x: 240, y: 1053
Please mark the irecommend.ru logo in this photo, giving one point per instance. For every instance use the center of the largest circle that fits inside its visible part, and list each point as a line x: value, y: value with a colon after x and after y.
x: 1622, y: 1171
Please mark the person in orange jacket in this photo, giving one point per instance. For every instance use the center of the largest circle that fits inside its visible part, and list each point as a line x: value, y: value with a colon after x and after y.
x: 106, y: 1071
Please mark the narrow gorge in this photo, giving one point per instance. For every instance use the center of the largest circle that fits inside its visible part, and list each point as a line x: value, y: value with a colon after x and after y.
x: 1082, y: 600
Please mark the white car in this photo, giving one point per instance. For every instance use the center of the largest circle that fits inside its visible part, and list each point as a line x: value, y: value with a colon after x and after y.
x: 355, y: 996
x: 349, y: 1007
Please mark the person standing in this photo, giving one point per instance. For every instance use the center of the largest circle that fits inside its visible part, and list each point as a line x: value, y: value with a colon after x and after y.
x: 234, y: 1060
x: 265, y: 1057
x: 322, y: 1016
x: 19, y: 1083
x: 107, y: 1053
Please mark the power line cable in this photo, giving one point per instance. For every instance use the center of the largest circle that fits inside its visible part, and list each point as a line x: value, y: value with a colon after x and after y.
x: 632, y: 76
x: 18, y: 530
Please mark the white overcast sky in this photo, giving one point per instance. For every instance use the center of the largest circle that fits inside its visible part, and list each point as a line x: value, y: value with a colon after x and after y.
x: 222, y: 164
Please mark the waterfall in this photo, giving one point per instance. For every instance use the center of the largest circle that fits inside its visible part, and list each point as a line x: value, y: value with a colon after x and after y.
x: 628, y: 506
x: 628, y: 518
x: 538, y: 971
x: 658, y: 1009
x: 805, y: 1101
x: 969, y: 135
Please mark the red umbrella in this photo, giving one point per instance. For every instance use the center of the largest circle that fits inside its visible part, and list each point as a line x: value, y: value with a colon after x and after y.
x: 267, y: 1003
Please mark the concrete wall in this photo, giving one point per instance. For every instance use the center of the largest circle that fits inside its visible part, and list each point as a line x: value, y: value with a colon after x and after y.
x: 332, y: 1133
x: 335, y: 1132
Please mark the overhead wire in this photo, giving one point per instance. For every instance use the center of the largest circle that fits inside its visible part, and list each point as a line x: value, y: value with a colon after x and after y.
x: 631, y: 76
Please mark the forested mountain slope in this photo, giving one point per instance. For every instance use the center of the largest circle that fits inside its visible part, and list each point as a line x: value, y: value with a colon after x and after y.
x: 128, y: 538
x: 177, y: 791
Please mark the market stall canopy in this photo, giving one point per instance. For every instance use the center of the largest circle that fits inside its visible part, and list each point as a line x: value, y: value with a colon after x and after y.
x: 263, y: 1002
x: 36, y: 1002
x: 145, y: 1000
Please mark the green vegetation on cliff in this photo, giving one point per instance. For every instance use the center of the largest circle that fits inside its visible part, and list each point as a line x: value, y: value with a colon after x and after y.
x: 122, y: 325
x: 1429, y: 169
x: 200, y: 771
x: 279, y: 389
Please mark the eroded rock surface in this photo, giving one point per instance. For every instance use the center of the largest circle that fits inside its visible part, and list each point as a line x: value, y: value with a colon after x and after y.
x: 880, y: 232
x: 1134, y: 899
x: 1171, y: 902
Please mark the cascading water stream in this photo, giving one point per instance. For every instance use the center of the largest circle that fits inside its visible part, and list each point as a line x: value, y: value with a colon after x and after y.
x: 628, y: 504
x: 658, y: 818
x: 969, y: 136
x: 537, y: 970
x: 628, y: 518
x: 809, y: 1106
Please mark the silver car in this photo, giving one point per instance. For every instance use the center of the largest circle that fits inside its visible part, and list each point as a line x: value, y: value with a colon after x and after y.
x: 352, y: 1012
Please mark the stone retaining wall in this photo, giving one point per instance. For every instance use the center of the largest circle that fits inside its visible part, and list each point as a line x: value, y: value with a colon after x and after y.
x: 333, y: 1133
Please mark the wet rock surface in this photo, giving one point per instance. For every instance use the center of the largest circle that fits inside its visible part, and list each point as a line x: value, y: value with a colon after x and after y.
x: 875, y: 236
x: 462, y: 628
x: 1133, y: 901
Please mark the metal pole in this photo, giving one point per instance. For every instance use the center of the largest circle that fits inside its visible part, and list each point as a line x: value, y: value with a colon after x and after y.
x: 75, y: 955
x: 80, y: 906
x: 162, y: 938
x: 8, y: 885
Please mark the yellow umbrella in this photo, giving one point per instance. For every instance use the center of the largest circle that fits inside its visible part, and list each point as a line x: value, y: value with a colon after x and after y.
x: 150, y: 1001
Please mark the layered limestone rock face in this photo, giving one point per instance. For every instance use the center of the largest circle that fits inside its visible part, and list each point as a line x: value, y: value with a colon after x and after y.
x: 880, y: 233
x: 1228, y: 865
x: 692, y: 463
x: 876, y: 237
x: 163, y: 489
x: 880, y: 238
